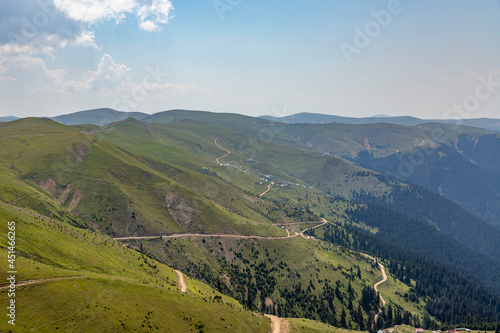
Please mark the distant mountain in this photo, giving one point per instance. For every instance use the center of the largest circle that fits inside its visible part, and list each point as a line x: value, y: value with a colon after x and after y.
x: 6, y: 119
x: 488, y: 123
x: 98, y: 117
x: 461, y: 163
x: 105, y: 116
x: 318, y: 118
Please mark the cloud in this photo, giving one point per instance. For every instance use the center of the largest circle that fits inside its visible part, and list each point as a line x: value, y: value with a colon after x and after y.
x: 33, y: 30
x: 43, y: 26
x: 38, y: 27
x: 154, y: 13
x: 31, y: 72
x: 108, y: 76
x: 85, y: 39
x: 150, y: 13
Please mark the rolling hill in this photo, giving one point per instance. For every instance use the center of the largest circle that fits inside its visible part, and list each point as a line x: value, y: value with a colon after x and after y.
x: 317, y: 118
x: 264, y: 213
x: 74, y: 279
x: 97, y: 117
x: 457, y: 162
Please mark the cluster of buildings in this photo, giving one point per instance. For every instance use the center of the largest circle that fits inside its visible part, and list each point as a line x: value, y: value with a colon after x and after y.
x: 421, y: 330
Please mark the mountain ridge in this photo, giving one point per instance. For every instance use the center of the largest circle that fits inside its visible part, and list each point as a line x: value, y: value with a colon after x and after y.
x: 318, y: 118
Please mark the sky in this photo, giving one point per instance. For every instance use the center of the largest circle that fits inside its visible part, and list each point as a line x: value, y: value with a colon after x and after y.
x: 430, y: 59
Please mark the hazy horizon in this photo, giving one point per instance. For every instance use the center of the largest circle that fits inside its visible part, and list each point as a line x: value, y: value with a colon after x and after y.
x: 261, y: 115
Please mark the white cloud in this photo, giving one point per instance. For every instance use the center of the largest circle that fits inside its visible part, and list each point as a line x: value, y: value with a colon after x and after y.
x: 85, y: 39
x: 148, y: 26
x: 95, y: 10
x: 38, y: 27
x: 154, y: 13
x: 31, y: 72
x: 43, y: 26
x: 33, y: 30
x: 108, y: 76
x: 150, y: 13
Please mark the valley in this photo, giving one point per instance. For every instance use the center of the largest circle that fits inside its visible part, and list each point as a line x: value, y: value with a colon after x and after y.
x: 196, y: 209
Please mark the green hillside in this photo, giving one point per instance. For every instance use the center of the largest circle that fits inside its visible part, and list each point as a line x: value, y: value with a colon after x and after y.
x: 118, y: 192
x: 97, y: 117
x: 232, y: 202
x: 81, y: 280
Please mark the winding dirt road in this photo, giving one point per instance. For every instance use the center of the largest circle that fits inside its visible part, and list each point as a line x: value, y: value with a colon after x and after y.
x: 268, y: 189
x: 278, y: 325
x: 182, y: 284
x: 375, y: 286
x: 384, y: 278
x: 41, y: 280
x: 227, y: 152
x: 163, y: 237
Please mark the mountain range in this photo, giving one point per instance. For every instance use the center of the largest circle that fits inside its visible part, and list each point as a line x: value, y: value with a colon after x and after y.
x: 261, y: 216
x: 317, y: 118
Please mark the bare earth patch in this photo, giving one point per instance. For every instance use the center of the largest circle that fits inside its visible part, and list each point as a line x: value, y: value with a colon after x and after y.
x: 76, y: 200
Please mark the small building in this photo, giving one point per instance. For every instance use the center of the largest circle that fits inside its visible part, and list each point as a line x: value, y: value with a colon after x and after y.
x: 419, y: 330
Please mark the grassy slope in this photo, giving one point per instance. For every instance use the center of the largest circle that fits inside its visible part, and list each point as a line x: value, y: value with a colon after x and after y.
x: 256, y: 127
x: 304, y: 262
x: 113, y: 287
x: 191, y: 137
x: 381, y: 139
x: 301, y: 325
x: 120, y: 192
x: 97, y: 117
x: 286, y: 164
x: 132, y: 176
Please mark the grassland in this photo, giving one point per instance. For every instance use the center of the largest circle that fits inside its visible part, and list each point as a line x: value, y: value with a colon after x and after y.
x: 106, y: 286
x: 276, y: 267
x: 301, y: 325
x: 132, y: 178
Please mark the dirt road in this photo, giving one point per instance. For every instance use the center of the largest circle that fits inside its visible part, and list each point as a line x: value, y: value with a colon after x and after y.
x: 21, y: 135
x: 278, y: 325
x: 422, y: 141
x: 384, y: 278
x: 182, y: 284
x: 268, y: 189
x: 227, y: 152
x: 41, y: 280
x: 320, y: 223
x: 376, y: 285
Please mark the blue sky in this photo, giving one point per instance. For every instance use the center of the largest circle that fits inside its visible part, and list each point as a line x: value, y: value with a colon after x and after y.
x: 430, y: 59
